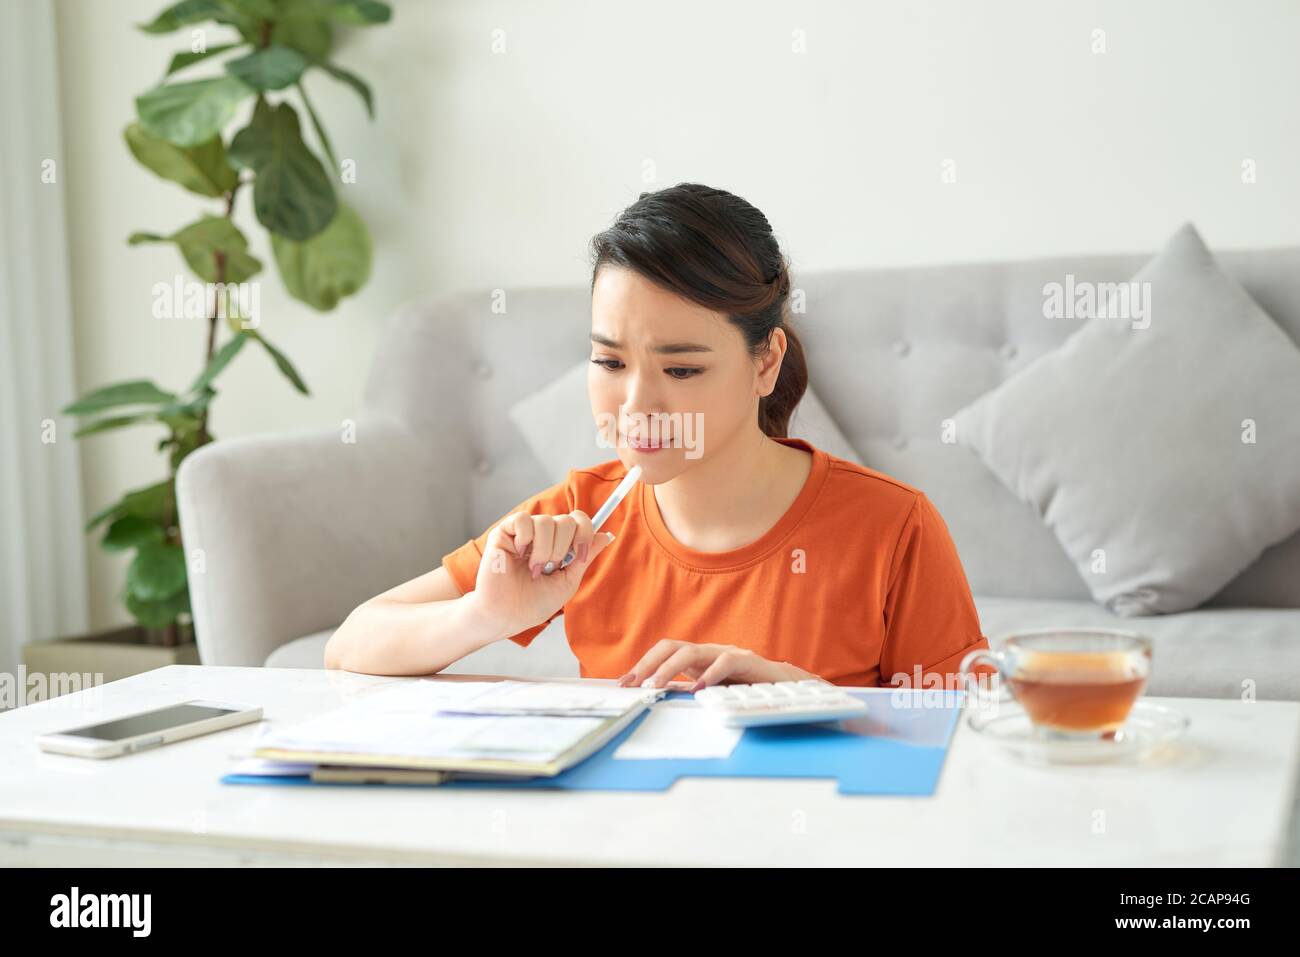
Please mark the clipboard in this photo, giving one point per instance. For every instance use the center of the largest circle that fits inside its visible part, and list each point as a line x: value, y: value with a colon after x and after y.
x: 897, y: 749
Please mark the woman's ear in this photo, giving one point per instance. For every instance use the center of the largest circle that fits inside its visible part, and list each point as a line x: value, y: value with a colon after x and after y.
x: 769, y: 364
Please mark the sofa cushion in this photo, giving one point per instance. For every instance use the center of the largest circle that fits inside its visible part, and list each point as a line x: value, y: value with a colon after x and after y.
x: 557, y: 425
x: 1207, y: 653
x: 1159, y: 442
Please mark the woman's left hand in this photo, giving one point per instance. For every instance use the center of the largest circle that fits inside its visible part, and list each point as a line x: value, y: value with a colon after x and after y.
x: 709, y: 664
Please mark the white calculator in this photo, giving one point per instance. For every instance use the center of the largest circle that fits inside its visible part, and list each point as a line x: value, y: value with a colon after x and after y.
x: 780, y: 702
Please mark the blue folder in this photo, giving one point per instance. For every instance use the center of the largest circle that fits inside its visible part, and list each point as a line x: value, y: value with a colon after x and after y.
x: 897, y: 748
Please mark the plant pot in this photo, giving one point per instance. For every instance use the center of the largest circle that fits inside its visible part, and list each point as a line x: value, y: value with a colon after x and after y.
x: 112, y: 654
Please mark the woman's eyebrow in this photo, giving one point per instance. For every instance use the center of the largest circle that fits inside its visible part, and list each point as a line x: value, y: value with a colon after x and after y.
x: 666, y: 348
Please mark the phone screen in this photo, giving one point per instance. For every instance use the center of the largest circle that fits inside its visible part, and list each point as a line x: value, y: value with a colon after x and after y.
x: 173, y: 717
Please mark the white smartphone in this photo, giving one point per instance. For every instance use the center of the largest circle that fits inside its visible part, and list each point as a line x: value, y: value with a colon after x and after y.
x: 148, y: 729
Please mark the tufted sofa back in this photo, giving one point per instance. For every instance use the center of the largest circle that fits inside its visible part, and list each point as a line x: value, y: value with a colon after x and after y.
x: 891, y: 353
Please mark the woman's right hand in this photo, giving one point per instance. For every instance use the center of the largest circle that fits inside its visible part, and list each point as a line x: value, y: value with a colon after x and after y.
x: 510, y: 586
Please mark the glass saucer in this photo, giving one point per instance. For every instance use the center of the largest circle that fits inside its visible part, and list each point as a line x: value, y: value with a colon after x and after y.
x: 1149, y: 728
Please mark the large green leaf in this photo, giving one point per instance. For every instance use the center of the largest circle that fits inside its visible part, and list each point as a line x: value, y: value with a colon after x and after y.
x: 312, y: 38
x: 186, y: 417
x: 292, y: 194
x: 219, y: 362
x: 181, y: 60
x: 107, y: 512
x: 200, y: 241
x: 153, y: 502
x: 157, y: 572
x: 135, y: 392
x: 257, y: 9
x: 193, y: 407
x: 283, y: 364
x: 273, y: 68
x: 357, y: 12
x: 131, y: 531
x: 201, y: 169
x: 194, y: 11
x: 320, y: 130
x: 354, y: 81
x: 184, y: 444
x: 212, y: 234
x: 360, y: 12
x: 159, y: 614
x: 114, y: 422
x: 332, y: 264
x: 188, y: 114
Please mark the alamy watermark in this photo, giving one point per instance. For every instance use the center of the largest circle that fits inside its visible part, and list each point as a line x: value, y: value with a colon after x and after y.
x: 190, y: 299
x: 1098, y: 300
x: 674, y: 430
x: 933, y: 689
x: 24, y: 688
x: 130, y: 911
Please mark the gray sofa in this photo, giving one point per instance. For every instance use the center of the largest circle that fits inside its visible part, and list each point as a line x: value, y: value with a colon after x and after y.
x: 297, y: 529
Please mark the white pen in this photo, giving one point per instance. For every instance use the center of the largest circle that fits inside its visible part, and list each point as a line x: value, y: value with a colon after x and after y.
x: 605, y: 511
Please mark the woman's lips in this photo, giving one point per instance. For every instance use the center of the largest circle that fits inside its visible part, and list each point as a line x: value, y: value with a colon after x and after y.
x: 646, y: 445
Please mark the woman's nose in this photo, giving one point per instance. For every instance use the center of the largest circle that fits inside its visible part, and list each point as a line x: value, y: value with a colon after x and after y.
x: 642, y: 395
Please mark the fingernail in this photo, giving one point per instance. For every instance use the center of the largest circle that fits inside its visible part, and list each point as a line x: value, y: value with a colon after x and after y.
x: 535, y: 570
x: 623, y: 680
x: 582, y: 552
x: 697, y: 686
x: 610, y: 535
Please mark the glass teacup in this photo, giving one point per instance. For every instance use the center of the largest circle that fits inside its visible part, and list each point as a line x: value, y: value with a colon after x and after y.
x: 1074, y: 683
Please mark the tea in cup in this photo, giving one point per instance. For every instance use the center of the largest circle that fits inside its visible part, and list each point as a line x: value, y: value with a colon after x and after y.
x: 1072, y: 682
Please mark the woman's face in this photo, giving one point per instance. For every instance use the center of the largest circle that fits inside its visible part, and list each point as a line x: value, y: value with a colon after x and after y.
x: 669, y: 380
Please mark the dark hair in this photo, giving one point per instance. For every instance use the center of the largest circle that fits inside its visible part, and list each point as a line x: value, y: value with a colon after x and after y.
x: 714, y: 249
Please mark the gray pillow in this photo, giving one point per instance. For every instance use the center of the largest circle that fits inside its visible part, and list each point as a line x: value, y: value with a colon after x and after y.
x: 557, y: 425
x: 1161, y: 445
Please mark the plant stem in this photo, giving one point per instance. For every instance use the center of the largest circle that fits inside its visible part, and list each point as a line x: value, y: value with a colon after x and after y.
x: 170, y: 635
x: 219, y: 261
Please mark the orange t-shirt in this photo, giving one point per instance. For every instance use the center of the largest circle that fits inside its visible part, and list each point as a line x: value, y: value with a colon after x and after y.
x: 859, y: 581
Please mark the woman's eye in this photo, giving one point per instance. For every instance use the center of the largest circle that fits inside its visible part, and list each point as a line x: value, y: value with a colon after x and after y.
x: 676, y: 372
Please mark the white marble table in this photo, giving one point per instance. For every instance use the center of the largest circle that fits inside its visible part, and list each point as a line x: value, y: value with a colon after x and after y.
x: 1221, y: 798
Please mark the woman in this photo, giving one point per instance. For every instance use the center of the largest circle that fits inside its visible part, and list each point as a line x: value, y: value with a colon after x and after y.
x: 742, y: 555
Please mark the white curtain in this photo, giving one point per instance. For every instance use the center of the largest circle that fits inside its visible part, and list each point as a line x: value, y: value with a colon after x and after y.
x: 42, y: 546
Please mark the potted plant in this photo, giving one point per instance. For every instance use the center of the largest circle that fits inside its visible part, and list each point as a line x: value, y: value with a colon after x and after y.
x: 321, y: 247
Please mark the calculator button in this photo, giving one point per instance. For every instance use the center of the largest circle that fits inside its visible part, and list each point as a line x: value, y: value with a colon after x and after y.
x: 782, y: 702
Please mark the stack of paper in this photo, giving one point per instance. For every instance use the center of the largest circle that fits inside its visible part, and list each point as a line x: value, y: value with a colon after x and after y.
x: 513, y: 727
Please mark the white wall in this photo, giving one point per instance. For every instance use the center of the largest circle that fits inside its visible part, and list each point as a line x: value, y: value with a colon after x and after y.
x: 494, y: 169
